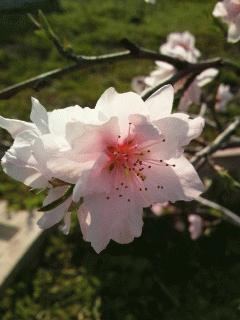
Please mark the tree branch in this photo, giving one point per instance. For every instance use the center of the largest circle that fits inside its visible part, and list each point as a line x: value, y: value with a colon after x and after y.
x: 227, y: 213
x: 216, y: 144
x: 85, y: 62
x: 133, y: 52
x: 194, y: 68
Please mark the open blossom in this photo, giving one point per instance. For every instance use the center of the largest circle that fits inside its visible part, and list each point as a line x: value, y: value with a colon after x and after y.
x: 131, y: 158
x: 229, y: 12
x: 195, y: 226
x: 180, y: 46
x: 223, y: 96
x: 122, y: 156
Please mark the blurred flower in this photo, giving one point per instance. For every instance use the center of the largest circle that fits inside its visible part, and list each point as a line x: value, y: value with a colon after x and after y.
x: 223, y: 96
x: 179, y: 225
x: 138, y: 84
x: 193, y: 92
x: 195, y: 226
x: 158, y: 208
x: 163, y: 72
x: 181, y: 46
x: 229, y: 12
x: 150, y: 1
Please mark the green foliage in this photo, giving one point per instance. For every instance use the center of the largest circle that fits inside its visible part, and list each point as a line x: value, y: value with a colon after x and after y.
x: 161, y: 275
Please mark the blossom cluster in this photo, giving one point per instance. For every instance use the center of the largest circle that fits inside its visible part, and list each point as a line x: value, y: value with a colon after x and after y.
x: 182, y: 46
x: 229, y: 12
x: 109, y: 162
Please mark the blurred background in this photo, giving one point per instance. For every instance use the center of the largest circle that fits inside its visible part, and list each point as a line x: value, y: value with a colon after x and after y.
x: 163, y: 274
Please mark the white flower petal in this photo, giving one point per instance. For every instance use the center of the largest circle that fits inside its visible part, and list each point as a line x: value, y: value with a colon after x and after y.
x: 206, y: 76
x: 219, y: 10
x: 121, y: 105
x: 39, y: 116
x: 234, y: 32
x: 19, y: 171
x: 54, y: 216
x: 14, y: 127
x: 160, y: 103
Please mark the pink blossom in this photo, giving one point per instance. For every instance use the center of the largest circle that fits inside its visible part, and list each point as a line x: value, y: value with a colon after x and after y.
x: 158, y: 208
x: 182, y: 46
x: 179, y: 225
x: 195, y: 226
x: 138, y: 84
x: 122, y: 156
x: 193, y: 93
x: 223, y: 96
x: 131, y: 160
x: 229, y: 12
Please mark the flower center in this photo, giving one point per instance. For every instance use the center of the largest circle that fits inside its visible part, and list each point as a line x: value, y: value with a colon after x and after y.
x: 131, y: 164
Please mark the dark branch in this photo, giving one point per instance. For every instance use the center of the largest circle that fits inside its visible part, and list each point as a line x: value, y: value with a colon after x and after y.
x: 194, y: 68
x: 84, y: 62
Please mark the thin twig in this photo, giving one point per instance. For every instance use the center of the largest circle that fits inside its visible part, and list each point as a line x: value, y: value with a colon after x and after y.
x: 216, y: 144
x: 194, y: 68
x: 43, y: 24
x: 85, y: 62
x: 228, y: 214
x: 133, y: 52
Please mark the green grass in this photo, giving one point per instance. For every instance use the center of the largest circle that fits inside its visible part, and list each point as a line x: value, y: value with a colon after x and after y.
x: 162, y: 275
